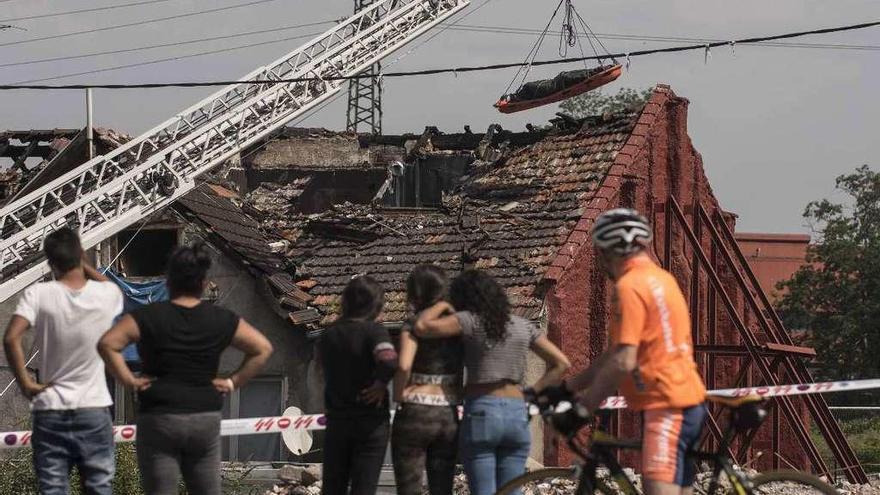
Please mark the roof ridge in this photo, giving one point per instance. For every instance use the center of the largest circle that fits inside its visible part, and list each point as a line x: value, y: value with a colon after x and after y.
x: 580, y: 234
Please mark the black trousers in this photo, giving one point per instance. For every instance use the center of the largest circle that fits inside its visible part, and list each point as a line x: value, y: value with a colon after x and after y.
x: 354, y: 449
x: 424, y: 439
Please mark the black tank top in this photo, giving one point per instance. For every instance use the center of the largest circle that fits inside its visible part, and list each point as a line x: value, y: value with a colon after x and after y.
x: 181, y: 348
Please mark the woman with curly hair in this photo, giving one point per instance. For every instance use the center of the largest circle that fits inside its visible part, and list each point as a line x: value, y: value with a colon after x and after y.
x: 495, y: 436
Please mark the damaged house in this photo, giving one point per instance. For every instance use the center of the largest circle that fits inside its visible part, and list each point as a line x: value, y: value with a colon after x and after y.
x: 296, y: 217
x: 520, y: 205
x: 241, y: 280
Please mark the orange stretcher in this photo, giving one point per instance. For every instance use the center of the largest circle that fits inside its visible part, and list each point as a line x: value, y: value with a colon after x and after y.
x: 509, y: 103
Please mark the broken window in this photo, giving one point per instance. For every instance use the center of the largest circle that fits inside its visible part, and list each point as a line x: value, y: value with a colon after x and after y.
x: 329, y: 188
x: 147, y: 251
x: 421, y: 184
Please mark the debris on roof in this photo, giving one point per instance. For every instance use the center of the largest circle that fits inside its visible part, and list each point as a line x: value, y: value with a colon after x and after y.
x: 277, y: 201
x: 66, y: 150
x: 509, y: 213
x: 228, y: 225
x: 27, y: 153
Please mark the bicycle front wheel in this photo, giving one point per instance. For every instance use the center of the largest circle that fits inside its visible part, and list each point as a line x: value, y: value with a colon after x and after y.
x: 790, y: 483
x: 542, y: 481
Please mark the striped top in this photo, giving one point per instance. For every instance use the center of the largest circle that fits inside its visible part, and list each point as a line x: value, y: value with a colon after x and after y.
x: 490, y: 361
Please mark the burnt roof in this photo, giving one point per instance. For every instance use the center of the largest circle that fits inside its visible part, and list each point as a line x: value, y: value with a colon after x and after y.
x: 510, y: 217
x: 216, y: 208
x: 70, y: 151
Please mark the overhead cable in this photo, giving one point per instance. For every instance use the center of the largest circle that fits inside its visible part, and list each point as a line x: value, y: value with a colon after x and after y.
x: 81, y: 11
x: 453, y: 27
x: 456, y: 70
x: 163, y: 45
x: 170, y: 59
x: 664, y: 39
x: 137, y: 23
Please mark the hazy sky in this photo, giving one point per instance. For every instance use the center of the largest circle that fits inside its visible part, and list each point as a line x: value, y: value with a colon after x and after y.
x: 775, y: 125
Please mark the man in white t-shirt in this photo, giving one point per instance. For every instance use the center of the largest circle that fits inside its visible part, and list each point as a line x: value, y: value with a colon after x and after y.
x: 70, y: 402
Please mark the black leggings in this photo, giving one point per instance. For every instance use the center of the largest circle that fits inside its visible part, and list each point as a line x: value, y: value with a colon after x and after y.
x: 424, y: 438
x: 353, y: 453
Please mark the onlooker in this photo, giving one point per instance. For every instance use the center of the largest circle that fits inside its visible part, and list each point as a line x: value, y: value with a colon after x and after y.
x: 358, y: 362
x: 428, y: 389
x: 495, y: 436
x: 71, y: 417
x: 180, y: 394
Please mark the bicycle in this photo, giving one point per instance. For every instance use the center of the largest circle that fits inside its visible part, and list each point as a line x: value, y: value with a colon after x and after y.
x: 747, y: 413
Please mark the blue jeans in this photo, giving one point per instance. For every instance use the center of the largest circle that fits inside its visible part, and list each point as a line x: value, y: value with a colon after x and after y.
x: 494, y: 442
x: 79, y: 437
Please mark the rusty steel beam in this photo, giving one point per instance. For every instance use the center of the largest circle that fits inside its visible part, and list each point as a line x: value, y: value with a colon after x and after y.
x: 695, y: 284
x: 815, y: 403
x: 749, y: 339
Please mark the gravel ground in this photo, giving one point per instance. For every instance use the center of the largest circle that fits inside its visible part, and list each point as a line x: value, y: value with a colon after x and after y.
x: 559, y: 486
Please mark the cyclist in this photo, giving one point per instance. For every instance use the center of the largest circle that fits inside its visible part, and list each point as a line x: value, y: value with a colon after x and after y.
x: 649, y: 357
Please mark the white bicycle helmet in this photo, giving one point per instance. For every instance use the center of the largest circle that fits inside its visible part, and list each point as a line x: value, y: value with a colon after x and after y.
x: 622, y: 231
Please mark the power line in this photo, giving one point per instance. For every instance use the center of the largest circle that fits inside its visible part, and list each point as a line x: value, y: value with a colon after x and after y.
x: 462, y: 27
x: 171, y: 59
x: 138, y: 23
x: 664, y: 39
x: 80, y: 11
x: 162, y: 45
x: 451, y: 70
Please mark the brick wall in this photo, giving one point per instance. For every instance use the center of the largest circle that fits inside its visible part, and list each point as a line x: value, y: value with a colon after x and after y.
x: 658, y: 160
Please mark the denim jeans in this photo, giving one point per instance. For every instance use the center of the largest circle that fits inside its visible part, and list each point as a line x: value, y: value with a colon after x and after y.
x: 78, y: 437
x: 495, y: 442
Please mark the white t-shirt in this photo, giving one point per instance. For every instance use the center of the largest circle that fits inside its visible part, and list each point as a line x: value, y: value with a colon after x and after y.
x: 68, y: 324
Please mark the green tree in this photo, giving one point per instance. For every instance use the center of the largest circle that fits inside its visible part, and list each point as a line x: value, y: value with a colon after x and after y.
x: 596, y: 103
x: 836, y: 296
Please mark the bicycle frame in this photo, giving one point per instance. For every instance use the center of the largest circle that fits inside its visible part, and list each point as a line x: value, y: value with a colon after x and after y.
x: 602, y: 453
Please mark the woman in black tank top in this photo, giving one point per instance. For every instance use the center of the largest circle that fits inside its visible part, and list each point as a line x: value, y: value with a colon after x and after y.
x: 180, y: 395
x: 428, y: 387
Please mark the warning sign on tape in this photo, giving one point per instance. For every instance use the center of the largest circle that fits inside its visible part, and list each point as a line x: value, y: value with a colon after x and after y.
x: 278, y: 424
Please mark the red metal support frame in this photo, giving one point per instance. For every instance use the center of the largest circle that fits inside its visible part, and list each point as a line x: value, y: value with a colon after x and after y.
x: 749, y: 338
x: 817, y: 405
x: 758, y: 353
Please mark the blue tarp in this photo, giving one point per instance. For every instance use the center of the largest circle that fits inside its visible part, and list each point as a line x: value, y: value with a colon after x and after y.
x: 137, y: 294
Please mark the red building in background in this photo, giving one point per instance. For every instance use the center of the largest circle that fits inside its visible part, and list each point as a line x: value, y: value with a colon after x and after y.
x: 773, y: 257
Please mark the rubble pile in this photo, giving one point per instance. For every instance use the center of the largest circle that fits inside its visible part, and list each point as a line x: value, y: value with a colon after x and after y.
x: 563, y: 486
x: 276, y: 201
x: 298, y: 480
x: 847, y: 488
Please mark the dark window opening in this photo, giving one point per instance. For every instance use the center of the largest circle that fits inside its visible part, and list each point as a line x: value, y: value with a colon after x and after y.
x: 147, y: 252
x: 423, y: 182
x: 329, y: 188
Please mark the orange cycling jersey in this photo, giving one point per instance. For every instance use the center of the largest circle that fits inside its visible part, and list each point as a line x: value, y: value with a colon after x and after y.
x: 650, y: 313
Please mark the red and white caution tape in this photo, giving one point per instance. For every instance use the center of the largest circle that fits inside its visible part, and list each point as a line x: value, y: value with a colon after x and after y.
x: 228, y: 428
x: 278, y: 424
x: 771, y: 391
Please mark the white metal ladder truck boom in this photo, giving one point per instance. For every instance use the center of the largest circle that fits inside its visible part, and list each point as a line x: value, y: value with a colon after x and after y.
x: 111, y: 192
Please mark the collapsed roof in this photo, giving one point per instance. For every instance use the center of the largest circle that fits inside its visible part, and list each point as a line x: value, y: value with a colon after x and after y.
x: 311, y: 208
x: 39, y: 156
x: 514, y: 211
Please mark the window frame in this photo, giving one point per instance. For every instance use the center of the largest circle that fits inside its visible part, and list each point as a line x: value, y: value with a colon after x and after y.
x: 235, y: 411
